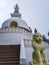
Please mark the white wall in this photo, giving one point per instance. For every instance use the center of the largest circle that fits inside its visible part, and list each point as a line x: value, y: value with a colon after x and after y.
x: 28, y: 54
x: 6, y: 38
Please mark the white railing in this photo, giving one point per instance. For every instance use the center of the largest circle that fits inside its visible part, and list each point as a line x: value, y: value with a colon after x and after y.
x: 28, y: 43
x: 16, y: 30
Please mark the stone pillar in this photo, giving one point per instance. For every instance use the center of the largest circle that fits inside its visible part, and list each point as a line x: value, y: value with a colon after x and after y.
x: 22, y: 54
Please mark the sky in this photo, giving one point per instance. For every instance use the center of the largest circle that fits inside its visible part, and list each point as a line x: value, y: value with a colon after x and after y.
x: 34, y: 12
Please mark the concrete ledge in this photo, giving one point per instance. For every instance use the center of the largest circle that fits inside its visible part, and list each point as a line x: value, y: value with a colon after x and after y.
x: 36, y: 64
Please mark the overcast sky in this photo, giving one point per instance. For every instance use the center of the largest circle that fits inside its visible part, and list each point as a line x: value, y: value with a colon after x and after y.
x: 34, y: 12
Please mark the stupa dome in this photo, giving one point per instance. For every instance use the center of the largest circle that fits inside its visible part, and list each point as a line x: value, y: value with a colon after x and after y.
x: 16, y: 17
x: 19, y: 21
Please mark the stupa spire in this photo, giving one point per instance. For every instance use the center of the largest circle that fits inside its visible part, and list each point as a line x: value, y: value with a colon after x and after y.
x: 16, y: 9
x: 16, y: 12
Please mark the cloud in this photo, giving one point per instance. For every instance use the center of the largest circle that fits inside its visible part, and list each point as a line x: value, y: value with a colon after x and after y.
x: 2, y: 4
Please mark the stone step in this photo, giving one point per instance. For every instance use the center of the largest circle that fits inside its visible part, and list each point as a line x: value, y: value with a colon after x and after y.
x: 9, y: 59
x: 9, y: 64
x: 9, y: 55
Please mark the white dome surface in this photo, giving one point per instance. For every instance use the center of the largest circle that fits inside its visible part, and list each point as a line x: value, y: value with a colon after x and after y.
x: 20, y: 22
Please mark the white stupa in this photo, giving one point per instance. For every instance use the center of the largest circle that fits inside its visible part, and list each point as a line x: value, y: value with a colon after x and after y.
x: 15, y: 31
x: 15, y: 40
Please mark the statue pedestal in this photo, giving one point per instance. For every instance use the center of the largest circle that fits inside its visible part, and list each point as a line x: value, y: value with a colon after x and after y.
x: 37, y: 64
x: 30, y: 63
